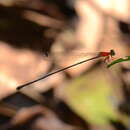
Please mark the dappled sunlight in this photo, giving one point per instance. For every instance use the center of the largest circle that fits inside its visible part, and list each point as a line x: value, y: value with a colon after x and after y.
x: 54, y: 59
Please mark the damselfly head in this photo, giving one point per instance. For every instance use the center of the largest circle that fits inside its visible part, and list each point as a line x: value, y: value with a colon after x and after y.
x: 112, y: 52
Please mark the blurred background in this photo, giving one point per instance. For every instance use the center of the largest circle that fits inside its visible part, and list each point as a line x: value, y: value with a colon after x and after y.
x: 40, y: 36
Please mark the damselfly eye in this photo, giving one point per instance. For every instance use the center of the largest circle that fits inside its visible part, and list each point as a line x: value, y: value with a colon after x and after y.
x: 112, y: 52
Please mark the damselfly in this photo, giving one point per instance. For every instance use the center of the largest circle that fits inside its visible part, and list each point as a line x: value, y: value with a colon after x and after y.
x: 106, y: 55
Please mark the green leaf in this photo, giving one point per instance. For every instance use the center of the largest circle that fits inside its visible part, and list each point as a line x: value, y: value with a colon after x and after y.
x: 89, y: 96
x: 118, y: 61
